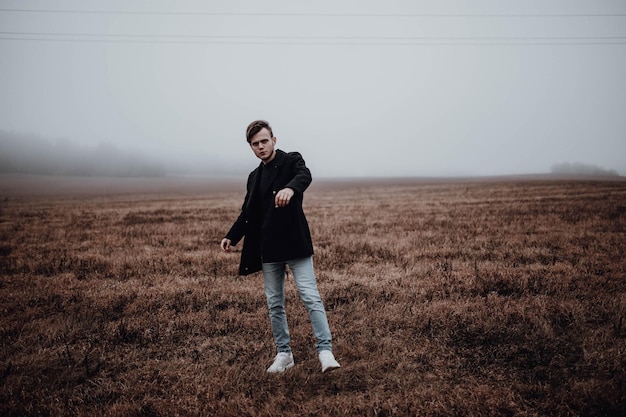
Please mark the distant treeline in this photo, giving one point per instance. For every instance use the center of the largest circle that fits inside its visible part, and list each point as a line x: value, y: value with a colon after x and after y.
x: 29, y: 154
x: 578, y: 168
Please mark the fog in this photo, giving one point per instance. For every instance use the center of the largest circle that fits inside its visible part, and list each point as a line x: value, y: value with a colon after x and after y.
x: 360, y: 88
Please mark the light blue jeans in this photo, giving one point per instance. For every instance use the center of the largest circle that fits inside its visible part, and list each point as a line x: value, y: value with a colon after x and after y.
x: 274, y: 279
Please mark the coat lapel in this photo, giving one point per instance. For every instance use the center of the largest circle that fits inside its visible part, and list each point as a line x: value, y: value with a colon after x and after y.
x: 272, y: 169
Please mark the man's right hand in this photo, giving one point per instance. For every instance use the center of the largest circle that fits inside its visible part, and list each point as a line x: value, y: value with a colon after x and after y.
x: 225, y: 245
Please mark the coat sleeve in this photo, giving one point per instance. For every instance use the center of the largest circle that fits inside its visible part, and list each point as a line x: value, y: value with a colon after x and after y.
x: 239, y: 228
x: 302, y: 175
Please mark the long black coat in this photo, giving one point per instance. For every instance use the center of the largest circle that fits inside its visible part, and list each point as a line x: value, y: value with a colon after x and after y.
x: 283, y: 233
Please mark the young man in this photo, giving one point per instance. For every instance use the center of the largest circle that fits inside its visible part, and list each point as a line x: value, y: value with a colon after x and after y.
x: 276, y: 236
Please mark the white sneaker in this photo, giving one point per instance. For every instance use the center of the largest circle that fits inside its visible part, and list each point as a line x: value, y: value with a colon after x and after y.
x: 327, y: 359
x: 282, y: 362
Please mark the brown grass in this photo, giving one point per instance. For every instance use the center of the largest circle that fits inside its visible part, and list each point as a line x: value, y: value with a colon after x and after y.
x: 445, y: 299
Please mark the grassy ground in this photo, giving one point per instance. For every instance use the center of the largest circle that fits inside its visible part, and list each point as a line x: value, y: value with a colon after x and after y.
x: 445, y: 299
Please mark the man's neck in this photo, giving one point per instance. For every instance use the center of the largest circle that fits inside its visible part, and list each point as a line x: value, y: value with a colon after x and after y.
x: 270, y: 159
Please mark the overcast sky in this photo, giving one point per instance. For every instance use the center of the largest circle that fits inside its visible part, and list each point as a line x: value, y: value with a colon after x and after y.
x: 360, y: 88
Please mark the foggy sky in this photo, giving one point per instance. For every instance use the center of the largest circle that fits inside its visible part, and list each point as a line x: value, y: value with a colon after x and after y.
x: 360, y: 88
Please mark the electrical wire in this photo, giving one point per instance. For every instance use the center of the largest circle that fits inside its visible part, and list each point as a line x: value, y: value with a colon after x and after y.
x: 310, y: 40
x: 317, y: 14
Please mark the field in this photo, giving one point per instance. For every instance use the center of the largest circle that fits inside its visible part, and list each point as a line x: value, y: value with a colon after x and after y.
x: 466, y: 298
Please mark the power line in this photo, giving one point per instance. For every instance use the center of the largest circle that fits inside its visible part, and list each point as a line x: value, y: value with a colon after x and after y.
x: 317, y: 14
x: 299, y: 38
x: 339, y: 42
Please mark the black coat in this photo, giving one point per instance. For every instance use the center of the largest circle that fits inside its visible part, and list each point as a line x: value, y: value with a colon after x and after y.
x: 283, y: 233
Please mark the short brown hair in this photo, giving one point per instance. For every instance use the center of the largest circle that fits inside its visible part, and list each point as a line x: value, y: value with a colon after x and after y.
x: 255, y: 127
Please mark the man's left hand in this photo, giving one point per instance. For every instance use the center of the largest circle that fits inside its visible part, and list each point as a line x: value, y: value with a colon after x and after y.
x: 283, y: 197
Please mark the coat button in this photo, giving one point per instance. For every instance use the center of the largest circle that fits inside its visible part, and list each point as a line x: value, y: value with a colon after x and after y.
x: 273, y: 192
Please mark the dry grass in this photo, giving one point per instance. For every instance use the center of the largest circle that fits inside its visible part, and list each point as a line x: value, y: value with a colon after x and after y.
x: 449, y: 299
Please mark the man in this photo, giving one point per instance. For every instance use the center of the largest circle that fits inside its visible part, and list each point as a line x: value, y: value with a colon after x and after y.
x: 276, y: 236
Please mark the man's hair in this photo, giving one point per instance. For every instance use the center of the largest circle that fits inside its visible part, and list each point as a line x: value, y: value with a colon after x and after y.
x: 255, y: 127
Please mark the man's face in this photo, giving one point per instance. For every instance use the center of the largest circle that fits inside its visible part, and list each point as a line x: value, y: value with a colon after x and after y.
x: 263, y: 145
